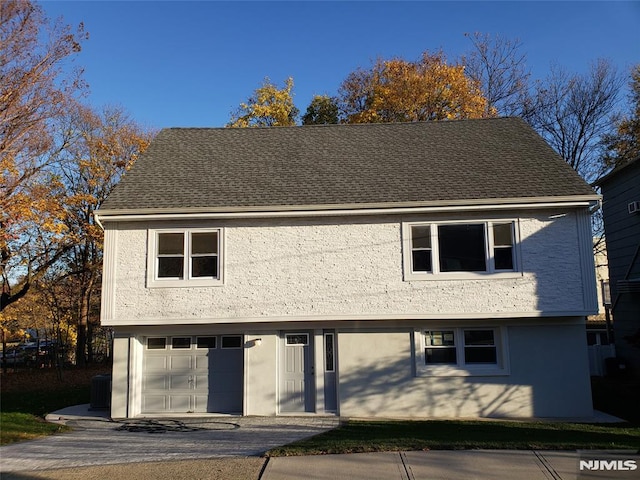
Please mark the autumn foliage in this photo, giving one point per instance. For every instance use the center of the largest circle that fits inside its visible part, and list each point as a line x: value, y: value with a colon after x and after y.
x: 398, y: 90
x: 269, y: 106
x: 59, y: 159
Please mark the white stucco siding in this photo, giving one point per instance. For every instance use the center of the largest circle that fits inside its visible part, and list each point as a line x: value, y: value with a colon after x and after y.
x: 339, y: 267
x: 547, y: 378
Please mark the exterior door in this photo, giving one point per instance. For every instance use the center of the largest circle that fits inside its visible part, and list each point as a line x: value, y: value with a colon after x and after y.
x: 297, y: 373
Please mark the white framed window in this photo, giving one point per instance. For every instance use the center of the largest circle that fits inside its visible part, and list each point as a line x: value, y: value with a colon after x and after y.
x: 180, y: 343
x: 231, y: 341
x: 156, y: 343
x: 185, y: 257
x: 461, y: 249
x: 462, y: 351
x: 296, y: 339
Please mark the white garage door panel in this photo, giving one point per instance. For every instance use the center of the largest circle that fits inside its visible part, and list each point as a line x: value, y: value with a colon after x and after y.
x: 154, y: 403
x: 154, y: 382
x: 156, y: 363
x: 180, y: 382
x: 182, y: 361
x: 180, y: 403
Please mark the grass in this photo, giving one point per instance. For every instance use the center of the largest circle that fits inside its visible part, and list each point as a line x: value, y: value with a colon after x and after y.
x: 17, y: 427
x: 617, y: 396
x: 377, y: 436
x: 28, y: 395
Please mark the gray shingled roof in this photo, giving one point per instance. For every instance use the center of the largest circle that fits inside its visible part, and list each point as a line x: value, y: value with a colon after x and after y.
x: 283, y: 167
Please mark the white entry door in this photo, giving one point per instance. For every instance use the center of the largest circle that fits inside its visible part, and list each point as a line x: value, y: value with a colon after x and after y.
x: 297, y: 373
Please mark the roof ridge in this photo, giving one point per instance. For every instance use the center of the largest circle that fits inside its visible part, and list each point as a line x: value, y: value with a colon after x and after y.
x: 369, y: 124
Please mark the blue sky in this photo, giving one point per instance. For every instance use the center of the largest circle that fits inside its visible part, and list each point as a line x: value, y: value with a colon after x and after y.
x: 192, y: 63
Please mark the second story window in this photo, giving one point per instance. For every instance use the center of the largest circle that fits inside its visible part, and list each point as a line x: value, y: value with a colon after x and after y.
x: 189, y: 257
x: 459, y: 249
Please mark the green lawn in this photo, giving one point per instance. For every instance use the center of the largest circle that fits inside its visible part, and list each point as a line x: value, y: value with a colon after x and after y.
x: 375, y: 436
x: 16, y: 427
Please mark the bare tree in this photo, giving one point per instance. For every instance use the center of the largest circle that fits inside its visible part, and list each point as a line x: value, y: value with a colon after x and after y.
x: 574, y: 112
x: 500, y: 68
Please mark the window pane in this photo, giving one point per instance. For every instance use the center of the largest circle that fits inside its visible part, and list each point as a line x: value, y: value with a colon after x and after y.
x: 591, y: 338
x: 156, y: 343
x: 206, y: 242
x: 297, y: 339
x: 171, y: 243
x: 462, y: 248
x: 440, y: 338
x: 204, y: 267
x: 480, y: 355
x: 502, y: 234
x: 421, y: 237
x: 206, y: 342
x: 421, y: 260
x: 440, y: 355
x: 181, y: 342
x: 478, y: 337
x: 328, y: 346
x: 234, y: 341
x: 170, y: 267
x: 503, y: 258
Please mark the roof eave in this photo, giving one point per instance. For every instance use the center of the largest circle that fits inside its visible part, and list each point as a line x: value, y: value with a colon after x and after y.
x: 345, y: 209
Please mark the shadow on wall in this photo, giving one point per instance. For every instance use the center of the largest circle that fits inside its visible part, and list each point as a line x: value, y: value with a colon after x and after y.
x: 389, y: 385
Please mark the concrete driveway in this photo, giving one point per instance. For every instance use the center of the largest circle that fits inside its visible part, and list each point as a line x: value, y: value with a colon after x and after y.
x: 98, y: 441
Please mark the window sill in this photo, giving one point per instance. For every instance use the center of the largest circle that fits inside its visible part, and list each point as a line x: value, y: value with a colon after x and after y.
x: 456, y: 371
x: 170, y: 283
x: 431, y: 277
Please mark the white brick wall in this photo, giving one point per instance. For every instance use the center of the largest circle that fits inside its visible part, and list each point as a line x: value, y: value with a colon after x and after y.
x: 339, y: 267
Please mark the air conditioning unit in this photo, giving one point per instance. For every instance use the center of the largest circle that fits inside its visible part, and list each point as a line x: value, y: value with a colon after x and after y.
x: 634, y: 207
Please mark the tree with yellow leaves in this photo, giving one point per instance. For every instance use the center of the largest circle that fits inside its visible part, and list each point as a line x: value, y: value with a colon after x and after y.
x: 103, y: 146
x: 269, y: 106
x: 34, y: 93
x: 398, y: 90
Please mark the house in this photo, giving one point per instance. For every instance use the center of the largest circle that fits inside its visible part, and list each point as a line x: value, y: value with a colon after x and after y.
x: 621, y: 211
x: 438, y: 269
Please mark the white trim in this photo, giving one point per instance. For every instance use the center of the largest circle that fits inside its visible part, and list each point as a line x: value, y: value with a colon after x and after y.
x: 172, y: 322
x: 110, y: 255
x: 346, y: 209
x: 187, y: 281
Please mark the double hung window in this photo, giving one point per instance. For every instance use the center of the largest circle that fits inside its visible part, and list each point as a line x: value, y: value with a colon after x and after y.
x: 462, y: 351
x: 189, y: 257
x: 435, y: 250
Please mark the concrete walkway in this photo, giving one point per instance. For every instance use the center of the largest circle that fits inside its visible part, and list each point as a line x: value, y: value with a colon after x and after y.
x: 449, y: 465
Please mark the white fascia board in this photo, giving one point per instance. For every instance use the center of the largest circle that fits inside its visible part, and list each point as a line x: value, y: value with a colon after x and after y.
x: 170, y: 322
x: 347, y: 210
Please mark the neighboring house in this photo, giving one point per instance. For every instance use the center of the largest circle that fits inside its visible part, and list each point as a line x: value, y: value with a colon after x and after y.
x: 401, y: 270
x: 599, y: 326
x: 621, y: 210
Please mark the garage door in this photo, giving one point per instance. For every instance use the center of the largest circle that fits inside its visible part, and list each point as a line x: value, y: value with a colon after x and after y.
x: 196, y: 374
